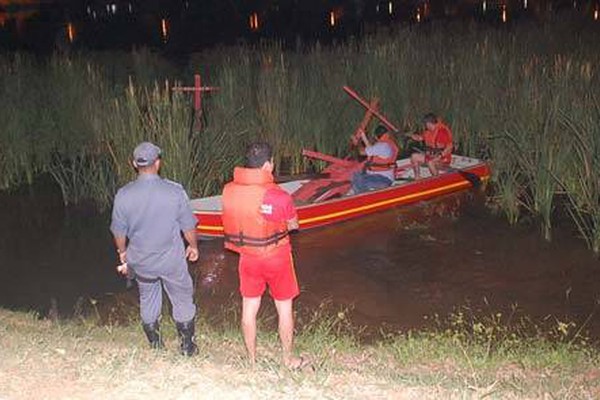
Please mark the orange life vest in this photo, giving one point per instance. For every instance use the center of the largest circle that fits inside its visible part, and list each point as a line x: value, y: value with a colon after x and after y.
x: 245, y: 228
x: 433, y: 146
x: 377, y: 163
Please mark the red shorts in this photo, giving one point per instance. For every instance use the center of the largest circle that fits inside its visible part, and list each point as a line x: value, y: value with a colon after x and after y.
x: 275, y: 270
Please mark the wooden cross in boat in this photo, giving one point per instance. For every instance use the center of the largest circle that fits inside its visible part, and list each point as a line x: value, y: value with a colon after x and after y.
x: 362, y: 127
x: 197, y: 89
x: 370, y: 108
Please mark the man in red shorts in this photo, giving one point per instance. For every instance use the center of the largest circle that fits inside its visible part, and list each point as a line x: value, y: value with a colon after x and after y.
x: 438, y: 146
x: 257, y: 218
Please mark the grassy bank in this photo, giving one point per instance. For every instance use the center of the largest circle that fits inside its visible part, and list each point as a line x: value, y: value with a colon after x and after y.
x: 80, y: 360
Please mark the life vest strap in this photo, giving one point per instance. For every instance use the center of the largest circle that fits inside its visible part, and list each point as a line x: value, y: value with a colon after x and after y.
x: 434, y: 150
x: 375, y: 167
x: 241, y: 240
x: 369, y: 164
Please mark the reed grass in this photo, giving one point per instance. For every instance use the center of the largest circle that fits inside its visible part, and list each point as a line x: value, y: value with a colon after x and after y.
x: 513, y: 96
x: 582, y: 182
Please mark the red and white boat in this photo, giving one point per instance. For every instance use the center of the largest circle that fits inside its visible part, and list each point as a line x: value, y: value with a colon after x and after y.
x: 328, y: 200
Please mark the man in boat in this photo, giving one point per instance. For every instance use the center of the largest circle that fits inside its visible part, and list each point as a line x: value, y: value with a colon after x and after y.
x: 257, y: 218
x: 149, y: 214
x: 381, y: 162
x: 438, y: 146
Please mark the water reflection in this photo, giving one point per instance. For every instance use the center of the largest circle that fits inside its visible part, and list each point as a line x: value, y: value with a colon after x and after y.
x: 254, y: 21
x: 70, y: 32
x: 164, y: 30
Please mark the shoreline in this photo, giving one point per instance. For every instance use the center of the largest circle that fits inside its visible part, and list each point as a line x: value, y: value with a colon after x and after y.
x: 81, y: 360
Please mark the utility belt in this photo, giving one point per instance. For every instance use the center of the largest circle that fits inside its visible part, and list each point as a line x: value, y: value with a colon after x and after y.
x: 242, y: 240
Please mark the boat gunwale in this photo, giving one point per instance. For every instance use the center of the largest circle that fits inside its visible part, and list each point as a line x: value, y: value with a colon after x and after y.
x: 369, y: 193
x: 386, y: 200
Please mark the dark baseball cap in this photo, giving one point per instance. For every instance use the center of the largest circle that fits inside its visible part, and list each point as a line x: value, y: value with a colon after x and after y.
x: 146, y: 153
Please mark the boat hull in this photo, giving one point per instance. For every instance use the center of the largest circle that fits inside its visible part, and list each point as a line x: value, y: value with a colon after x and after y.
x: 349, y: 207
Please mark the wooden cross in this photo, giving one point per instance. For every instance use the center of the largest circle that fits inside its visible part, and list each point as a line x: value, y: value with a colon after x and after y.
x: 370, y: 108
x: 197, y: 89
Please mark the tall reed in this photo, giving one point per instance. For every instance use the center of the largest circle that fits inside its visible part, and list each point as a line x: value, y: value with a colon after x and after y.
x: 514, y: 96
x: 582, y: 182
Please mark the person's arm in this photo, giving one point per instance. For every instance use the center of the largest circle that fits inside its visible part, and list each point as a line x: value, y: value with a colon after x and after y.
x: 282, y: 208
x: 446, y: 137
x: 447, y: 150
x: 118, y: 227
x: 417, y: 137
x: 293, y: 224
x: 121, y: 245
x: 364, y: 139
x: 191, y: 251
x: 187, y: 225
x: 365, y: 143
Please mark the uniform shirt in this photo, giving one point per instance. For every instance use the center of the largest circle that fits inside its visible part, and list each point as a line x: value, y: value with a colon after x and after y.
x: 383, y: 150
x: 152, y: 212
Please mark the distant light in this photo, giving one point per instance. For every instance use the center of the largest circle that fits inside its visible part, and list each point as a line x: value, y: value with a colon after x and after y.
x: 390, y: 8
x: 130, y: 7
x: 332, y: 18
x: 596, y: 14
x: 89, y: 10
x: 504, y: 14
x: 574, y: 3
x: 70, y: 32
x: 94, y: 15
x: 525, y: 4
x: 114, y: 8
x: 484, y: 6
x: 164, y: 28
x: 253, y: 21
x: 377, y: 8
x: 108, y: 8
x: 418, y: 15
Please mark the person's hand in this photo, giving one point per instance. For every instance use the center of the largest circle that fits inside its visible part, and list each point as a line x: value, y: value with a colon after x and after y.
x: 122, y: 256
x: 122, y: 269
x: 191, y: 253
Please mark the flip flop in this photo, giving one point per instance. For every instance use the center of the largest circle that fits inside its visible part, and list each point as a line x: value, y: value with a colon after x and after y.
x: 299, y: 364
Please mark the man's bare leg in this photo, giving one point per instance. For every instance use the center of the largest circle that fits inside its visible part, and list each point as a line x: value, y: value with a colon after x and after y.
x: 433, y: 167
x: 250, y: 307
x: 416, y: 159
x: 286, y: 332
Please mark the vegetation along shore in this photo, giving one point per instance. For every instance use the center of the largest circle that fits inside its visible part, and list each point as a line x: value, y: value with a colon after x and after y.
x: 524, y: 97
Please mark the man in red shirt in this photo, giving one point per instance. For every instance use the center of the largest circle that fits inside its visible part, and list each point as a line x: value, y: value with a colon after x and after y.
x: 438, y: 146
x: 257, y: 218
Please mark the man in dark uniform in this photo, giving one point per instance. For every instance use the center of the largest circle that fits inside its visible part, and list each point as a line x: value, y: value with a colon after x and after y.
x: 148, y: 217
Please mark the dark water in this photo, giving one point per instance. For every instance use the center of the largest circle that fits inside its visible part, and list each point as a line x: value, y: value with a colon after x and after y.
x: 389, y: 270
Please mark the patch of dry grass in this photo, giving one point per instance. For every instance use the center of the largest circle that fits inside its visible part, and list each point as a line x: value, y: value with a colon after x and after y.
x: 41, y: 359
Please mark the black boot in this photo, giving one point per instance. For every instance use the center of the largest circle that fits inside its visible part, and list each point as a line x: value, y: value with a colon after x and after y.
x: 152, y: 332
x: 186, y: 334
